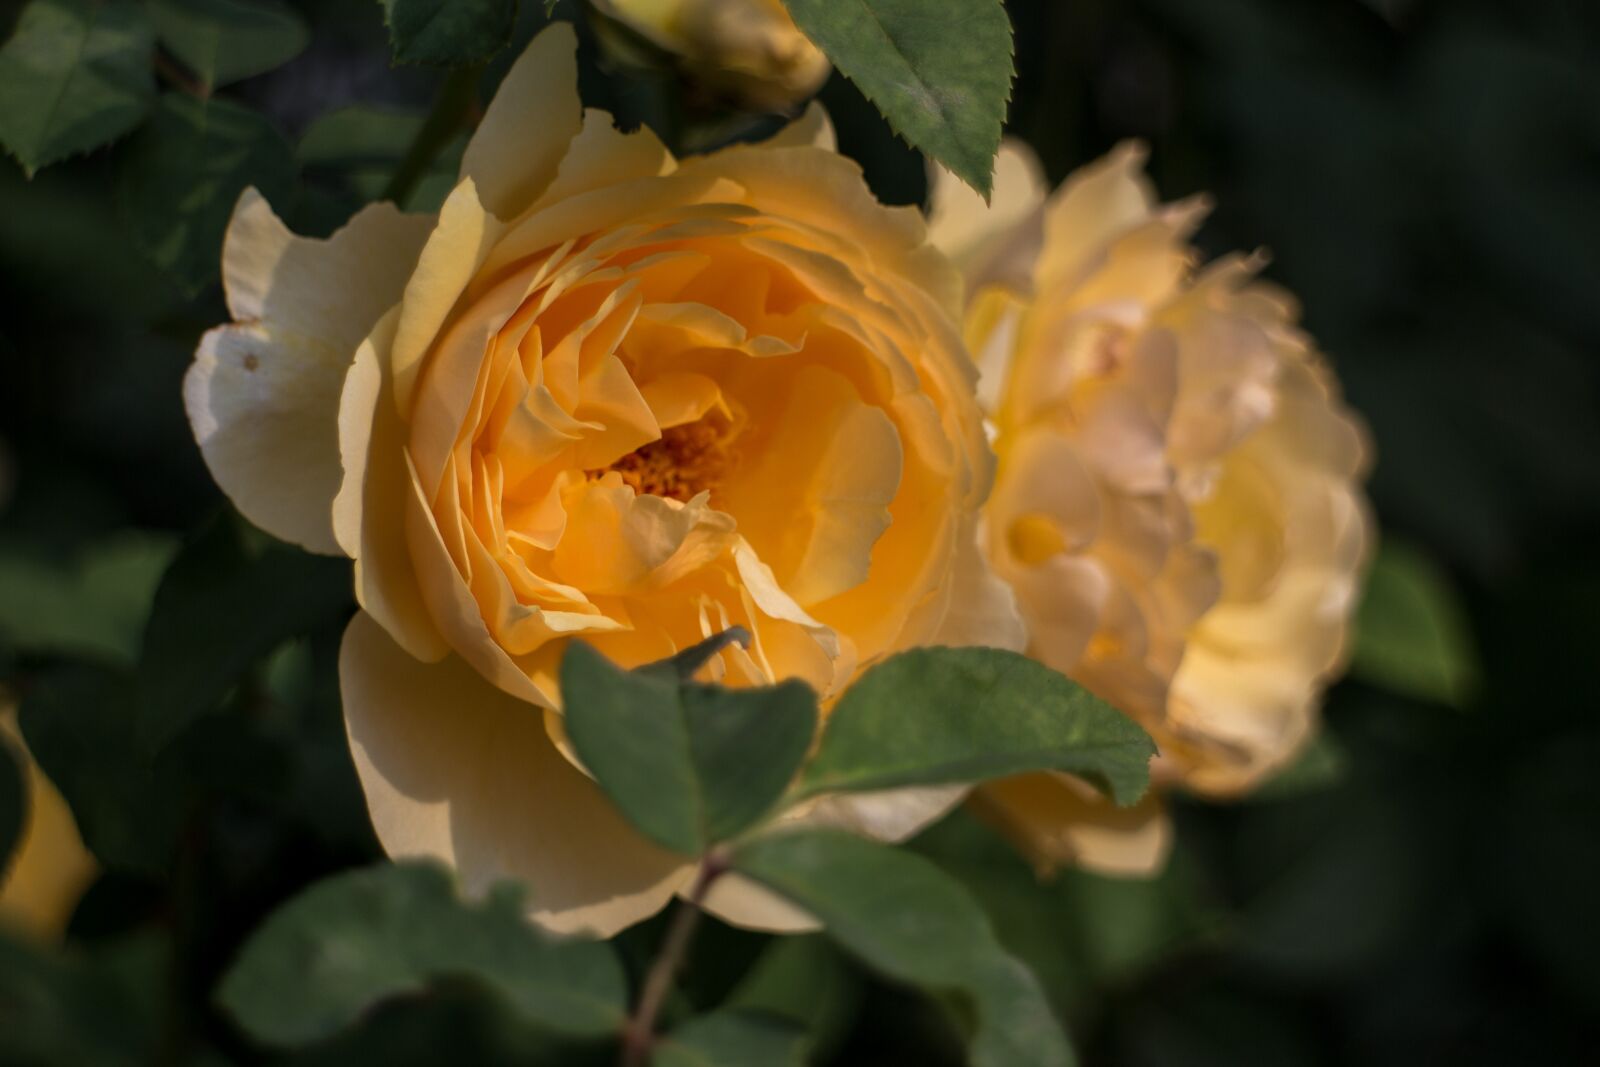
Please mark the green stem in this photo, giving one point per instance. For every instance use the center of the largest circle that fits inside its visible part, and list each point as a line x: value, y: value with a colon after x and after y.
x: 456, y: 100
x: 639, y: 1034
x: 175, y: 75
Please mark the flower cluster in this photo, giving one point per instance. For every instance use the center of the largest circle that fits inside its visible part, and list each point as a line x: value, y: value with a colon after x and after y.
x: 610, y: 394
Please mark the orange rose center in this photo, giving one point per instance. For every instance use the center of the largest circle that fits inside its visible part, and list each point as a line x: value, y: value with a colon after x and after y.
x: 683, y: 462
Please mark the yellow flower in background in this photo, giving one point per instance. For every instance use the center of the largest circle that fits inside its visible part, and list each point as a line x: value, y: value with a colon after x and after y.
x: 49, y: 869
x: 610, y: 395
x: 1178, y: 505
x: 750, y: 49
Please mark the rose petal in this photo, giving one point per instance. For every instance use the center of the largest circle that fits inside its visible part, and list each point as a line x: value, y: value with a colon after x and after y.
x: 1056, y: 819
x: 517, y: 149
x: 993, y: 241
x: 458, y: 771
x: 374, y: 491
x: 262, y: 394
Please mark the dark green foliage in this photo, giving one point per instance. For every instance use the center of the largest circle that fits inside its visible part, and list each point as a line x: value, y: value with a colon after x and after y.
x: 939, y: 70
x: 101, y: 1006
x: 223, y: 606
x: 93, y: 605
x: 74, y: 75
x: 935, y: 716
x: 448, y: 33
x: 689, y: 764
x: 181, y: 175
x: 861, y: 891
x: 350, y: 942
x: 806, y: 980
x: 222, y: 41
x: 1410, y: 633
x: 732, y: 1039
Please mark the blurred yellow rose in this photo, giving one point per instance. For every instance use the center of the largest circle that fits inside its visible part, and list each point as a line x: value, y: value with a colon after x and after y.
x: 1178, y: 505
x: 49, y: 869
x: 612, y: 395
x: 750, y: 49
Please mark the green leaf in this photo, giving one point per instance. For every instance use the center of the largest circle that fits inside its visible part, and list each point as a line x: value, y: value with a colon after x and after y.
x: 935, y: 716
x: 80, y: 727
x: 1081, y: 933
x: 74, y: 76
x: 448, y: 33
x: 101, y: 1004
x: 806, y: 980
x: 121, y: 744
x: 363, y: 146
x: 939, y: 70
x: 360, y: 938
x: 224, y: 41
x: 183, y: 172
x: 733, y: 1039
x: 219, y: 610
x: 92, y: 606
x: 905, y: 918
x: 1411, y: 631
x: 13, y: 803
x: 688, y: 764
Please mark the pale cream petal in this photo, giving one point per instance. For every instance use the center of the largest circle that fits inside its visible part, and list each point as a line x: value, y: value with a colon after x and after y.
x: 893, y: 815
x: 1045, y: 478
x: 994, y: 318
x: 263, y: 394
x: 517, y: 149
x: 458, y: 771
x: 368, y: 510
x: 983, y: 609
x: 737, y: 900
x: 813, y: 128
x: 1093, y: 206
x: 1062, y: 600
x: 992, y: 242
x: 455, y: 250
x: 1056, y: 819
x: 603, y: 155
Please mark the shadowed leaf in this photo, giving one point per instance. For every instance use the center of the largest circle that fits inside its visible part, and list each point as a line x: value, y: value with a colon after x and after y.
x: 74, y: 75
x: 360, y: 938
x: 224, y: 41
x: 905, y: 918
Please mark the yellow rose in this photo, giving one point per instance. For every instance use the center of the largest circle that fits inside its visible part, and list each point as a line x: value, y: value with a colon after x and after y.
x: 50, y: 868
x: 608, y: 395
x: 748, y: 48
x: 1178, y: 504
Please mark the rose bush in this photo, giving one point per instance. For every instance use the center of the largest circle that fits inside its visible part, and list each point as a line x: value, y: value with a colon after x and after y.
x: 1178, y: 506
x: 609, y: 395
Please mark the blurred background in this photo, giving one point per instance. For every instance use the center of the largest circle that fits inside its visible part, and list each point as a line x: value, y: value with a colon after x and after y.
x: 1419, y: 889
